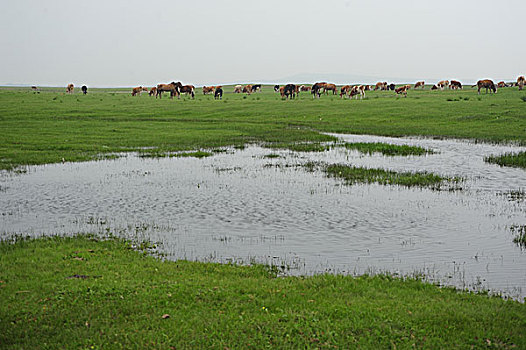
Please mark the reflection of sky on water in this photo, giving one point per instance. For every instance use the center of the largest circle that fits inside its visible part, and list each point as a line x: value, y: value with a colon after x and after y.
x: 241, y: 206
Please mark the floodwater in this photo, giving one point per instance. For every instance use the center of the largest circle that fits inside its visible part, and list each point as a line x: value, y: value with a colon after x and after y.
x: 241, y: 206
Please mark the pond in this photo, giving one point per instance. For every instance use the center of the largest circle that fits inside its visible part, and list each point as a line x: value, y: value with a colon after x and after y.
x: 242, y: 206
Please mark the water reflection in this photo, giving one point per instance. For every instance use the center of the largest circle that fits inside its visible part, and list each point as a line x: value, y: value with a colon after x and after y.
x: 242, y: 206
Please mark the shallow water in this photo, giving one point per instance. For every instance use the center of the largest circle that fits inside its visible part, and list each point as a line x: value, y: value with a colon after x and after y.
x: 240, y: 206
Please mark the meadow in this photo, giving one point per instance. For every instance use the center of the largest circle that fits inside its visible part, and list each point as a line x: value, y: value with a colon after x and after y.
x: 50, y: 126
x: 87, y: 292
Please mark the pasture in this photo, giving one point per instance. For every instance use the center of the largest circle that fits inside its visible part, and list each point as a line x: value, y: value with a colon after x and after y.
x: 49, y: 126
x: 97, y: 291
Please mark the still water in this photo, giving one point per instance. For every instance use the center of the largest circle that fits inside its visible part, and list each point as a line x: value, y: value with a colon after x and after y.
x: 241, y: 206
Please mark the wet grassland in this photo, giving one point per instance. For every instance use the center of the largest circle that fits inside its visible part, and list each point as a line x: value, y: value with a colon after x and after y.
x: 87, y: 292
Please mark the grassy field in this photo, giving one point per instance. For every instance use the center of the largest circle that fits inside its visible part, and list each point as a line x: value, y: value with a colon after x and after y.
x: 83, y: 293
x: 49, y: 126
x: 79, y: 293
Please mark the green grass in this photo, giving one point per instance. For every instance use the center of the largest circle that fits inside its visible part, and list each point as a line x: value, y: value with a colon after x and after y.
x: 520, y: 231
x: 387, y: 149
x: 49, y: 126
x: 357, y: 175
x: 83, y: 293
x: 517, y: 160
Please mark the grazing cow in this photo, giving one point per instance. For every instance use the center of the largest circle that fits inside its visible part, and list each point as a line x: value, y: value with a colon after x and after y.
x: 420, y: 84
x: 521, y: 81
x: 330, y: 87
x: 357, y: 90
x: 34, y: 88
x: 455, y: 85
x: 247, y: 89
x: 256, y: 88
x: 316, y: 89
x: 289, y: 90
x: 208, y: 89
x: 488, y: 84
x: 368, y: 88
x: 502, y: 84
x: 345, y: 90
x: 238, y: 89
x: 218, y: 93
x: 70, y: 88
x: 153, y: 91
x: 276, y: 88
x: 173, y: 88
x: 434, y: 87
x: 401, y: 90
x: 381, y: 86
x: 137, y: 90
x: 442, y: 84
x: 187, y: 89
x: 84, y: 89
x: 302, y: 88
x: 391, y: 87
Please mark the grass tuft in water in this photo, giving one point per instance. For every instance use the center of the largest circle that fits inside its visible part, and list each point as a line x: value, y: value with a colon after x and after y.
x: 160, y: 154
x: 517, y: 160
x: 357, y: 175
x: 388, y: 149
x: 520, y: 231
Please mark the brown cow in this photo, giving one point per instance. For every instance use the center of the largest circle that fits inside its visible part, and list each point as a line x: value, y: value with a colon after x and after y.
x: 238, y: 89
x: 247, y: 89
x: 153, y: 91
x: 442, y: 84
x: 381, y: 86
x: 420, y: 84
x: 187, y: 89
x: 455, y: 85
x: 173, y: 88
x: 316, y: 89
x: 402, y: 90
x: 488, y: 84
x: 70, y: 88
x: 502, y: 84
x: 330, y: 87
x: 521, y: 81
x: 137, y: 90
x: 345, y: 90
x: 208, y: 90
x: 304, y: 88
x: 357, y: 90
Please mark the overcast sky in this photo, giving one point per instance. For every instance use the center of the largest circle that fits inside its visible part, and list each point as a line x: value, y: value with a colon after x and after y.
x: 130, y: 42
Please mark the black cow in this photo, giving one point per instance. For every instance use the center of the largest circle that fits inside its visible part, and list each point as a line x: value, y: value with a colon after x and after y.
x: 289, y: 91
x: 317, y: 89
x: 256, y: 87
x: 391, y: 87
x: 276, y: 88
x: 84, y: 89
x: 218, y: 93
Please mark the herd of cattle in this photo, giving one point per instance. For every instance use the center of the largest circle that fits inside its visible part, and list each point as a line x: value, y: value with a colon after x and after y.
x: 291, y: 90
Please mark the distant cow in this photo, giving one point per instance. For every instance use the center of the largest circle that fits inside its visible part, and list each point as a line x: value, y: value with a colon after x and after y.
x: 381, y: 86
x: 255, y: 88
x: 247, y: 89
x: 289, y: 90
x: 345, y: 90
x: 84, y: 89
x: 173, y: 88
x: 391, y: 87
x: 238, y: 89
x: 521, y: 81
x: 70, y: 88
x: 330, y: 87
x: 153, y: 91
x: 443, y: 84
x: 208, y: 89
x: 502, y: 84
x: 137, y: 90
x: 434, y: 87
x: 488, y: 84
x: 303, y: 88
x: 316, y: 89
x: 34, y: 88
x: 187, y: 89
x: 218, y: 94
x: 455, y: 85
x: 357, y: 90
x: 420, y: 84
x: 401, y: 90
x: 276, y: 88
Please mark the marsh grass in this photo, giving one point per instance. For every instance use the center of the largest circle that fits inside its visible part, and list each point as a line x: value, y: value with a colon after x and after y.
x: 517, y: 160
x: 520, y: 232
x: 357, y: 175
x: 388, y: 149
x: 159, y: 154
x: 89, y: 293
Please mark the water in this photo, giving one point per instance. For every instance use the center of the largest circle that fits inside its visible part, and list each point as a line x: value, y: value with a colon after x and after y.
x: 240, y: 206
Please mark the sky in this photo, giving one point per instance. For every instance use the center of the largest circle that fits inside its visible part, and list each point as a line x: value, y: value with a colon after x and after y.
x: 129, y: 43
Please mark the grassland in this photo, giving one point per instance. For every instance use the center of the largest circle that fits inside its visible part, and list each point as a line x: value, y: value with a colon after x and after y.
x: 80, y: 293
x: 46, y: 127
